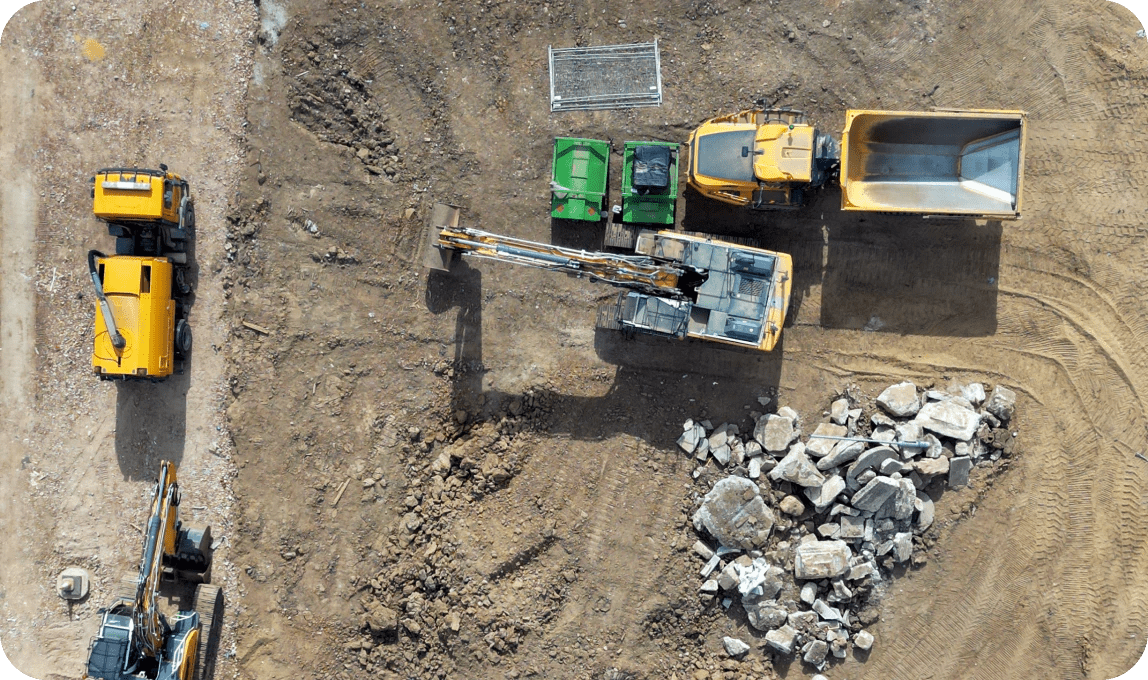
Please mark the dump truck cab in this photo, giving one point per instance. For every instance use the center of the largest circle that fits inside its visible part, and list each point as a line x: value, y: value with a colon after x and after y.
x: 140, y: 327
x: 764, y: 159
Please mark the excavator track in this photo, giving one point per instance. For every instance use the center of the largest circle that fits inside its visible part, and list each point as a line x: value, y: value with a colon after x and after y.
x: 208, y: 603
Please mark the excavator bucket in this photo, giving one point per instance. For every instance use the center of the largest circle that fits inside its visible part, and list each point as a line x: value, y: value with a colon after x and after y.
x: 434, y: 256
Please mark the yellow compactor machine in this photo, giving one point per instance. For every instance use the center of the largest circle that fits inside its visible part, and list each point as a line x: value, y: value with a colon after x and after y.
x: 141, y: 328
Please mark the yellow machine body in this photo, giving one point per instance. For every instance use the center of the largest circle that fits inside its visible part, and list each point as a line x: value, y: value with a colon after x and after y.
x: 122, y: 194
x: 759, y: 158
x: 139, y: 290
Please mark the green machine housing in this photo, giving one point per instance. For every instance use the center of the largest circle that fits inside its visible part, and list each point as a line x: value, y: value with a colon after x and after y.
x: 649, y: 182
x: 578, y: 186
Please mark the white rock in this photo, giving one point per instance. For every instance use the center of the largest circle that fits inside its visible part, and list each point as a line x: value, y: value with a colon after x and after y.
x: 902, y: 546
x: 797, y: 468
x: 754, y: 468
x: 809, y: 592
x: 863, y: 640
x: 842, y: 453
x: 900, y: 400
x: 821, y: 559
x: 823, y: 496
x: 734, y: 647
x: 734, y: 513
x: 839, y: 411
x: 974, y: 392
x: 781, y: 639
x: 1001, y: 403
x: 775, y: 432
x: 818, y: 447
x: 949, y: 419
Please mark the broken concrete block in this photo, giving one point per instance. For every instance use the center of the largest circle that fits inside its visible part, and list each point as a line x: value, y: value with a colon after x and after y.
x: 818, y: 447
x: 765, y: 614
x: 719, y: 436
x: 791, y: 505
x: 803, y: 622
x: 863, y: 640
x: 710, y: 586
x: 797, y: 468
x: 839, y: 411
x: 815, y: 655
x: 736, y: 451
x: 688, y: 441
x: 902, y: 546
x: 729, y: 578
x: 752, y: 448
x: 841, y: 592
x: 823, y: 496
x: 821, y: 559
x: 809, y: 592
x: 874, y: 494
x: 959, y: 471
x: 734, y: 513
x: 949, y: 419
x: 931, y: 467
x: 734, y: 647
x: 775, y: 432
x: 865, y: 477
x: 860, y: 571
x: 900, y: 400
x: 934, y: 450
x: 721, y: 454
x: 974, y: 393
x: 710, y: 566
x: 889, y: 466
x: 781, y: 639
x: 703, y: 449
x: 909, y: 431
x: 900, y: 505
x: 869, y: 460
x: 826, y: 612
x: 1002, y: 403
x: 703, y: 550
x: 852, y: 528
x: 924, y: 513
x: 754, y: 468
x: 842, y: 453
x: 828, y: 530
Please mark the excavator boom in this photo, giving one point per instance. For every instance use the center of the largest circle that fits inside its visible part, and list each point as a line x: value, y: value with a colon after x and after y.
x: 626, y: 271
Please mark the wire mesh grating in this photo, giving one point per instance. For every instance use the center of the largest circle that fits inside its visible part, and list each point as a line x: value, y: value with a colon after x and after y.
x: 605, y: 77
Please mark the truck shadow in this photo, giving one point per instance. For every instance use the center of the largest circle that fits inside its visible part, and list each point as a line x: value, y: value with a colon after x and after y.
x: 874, y: 271
x: 151, y: 418
x: 151, y: 425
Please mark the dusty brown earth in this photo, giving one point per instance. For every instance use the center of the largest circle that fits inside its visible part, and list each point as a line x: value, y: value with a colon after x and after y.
x: 558, y: 544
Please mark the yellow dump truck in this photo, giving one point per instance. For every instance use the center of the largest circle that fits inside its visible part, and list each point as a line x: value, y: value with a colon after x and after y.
x: 949, y: 162
x: 141, y: 328
x: 935, y: 163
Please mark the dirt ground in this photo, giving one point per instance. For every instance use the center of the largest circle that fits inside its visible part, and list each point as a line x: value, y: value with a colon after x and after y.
x: 316, y: 138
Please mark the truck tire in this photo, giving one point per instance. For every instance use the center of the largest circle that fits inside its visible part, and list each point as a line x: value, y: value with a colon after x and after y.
x: 208, y: 603
x: 182, y: 339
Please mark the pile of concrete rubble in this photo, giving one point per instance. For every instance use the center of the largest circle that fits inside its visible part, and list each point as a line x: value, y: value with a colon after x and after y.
x: 849, y: 509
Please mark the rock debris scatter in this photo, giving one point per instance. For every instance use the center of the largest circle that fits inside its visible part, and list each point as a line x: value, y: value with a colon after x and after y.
x: 805, y: 531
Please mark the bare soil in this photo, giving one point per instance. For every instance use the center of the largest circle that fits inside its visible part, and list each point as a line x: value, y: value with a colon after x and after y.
x: 558, y: 544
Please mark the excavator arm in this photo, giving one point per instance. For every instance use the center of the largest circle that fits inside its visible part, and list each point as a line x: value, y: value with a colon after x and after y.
x: 626, y: 271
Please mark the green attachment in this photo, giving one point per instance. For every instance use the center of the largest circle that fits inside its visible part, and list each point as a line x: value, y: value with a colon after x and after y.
x: 578, y: 185
x: 646, y: 203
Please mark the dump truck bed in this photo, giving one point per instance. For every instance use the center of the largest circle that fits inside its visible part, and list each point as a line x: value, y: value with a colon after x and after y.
x: 938, y: 163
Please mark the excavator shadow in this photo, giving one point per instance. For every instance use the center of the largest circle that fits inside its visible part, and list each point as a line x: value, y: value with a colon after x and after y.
x: 461, y: 288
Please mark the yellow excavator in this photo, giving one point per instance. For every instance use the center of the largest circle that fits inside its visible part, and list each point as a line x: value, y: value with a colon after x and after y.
x: 141, y: 328
x: 136, y: 641
x: 676, y: 284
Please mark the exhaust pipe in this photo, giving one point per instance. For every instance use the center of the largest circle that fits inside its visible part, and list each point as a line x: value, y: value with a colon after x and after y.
x: 109, y: 320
